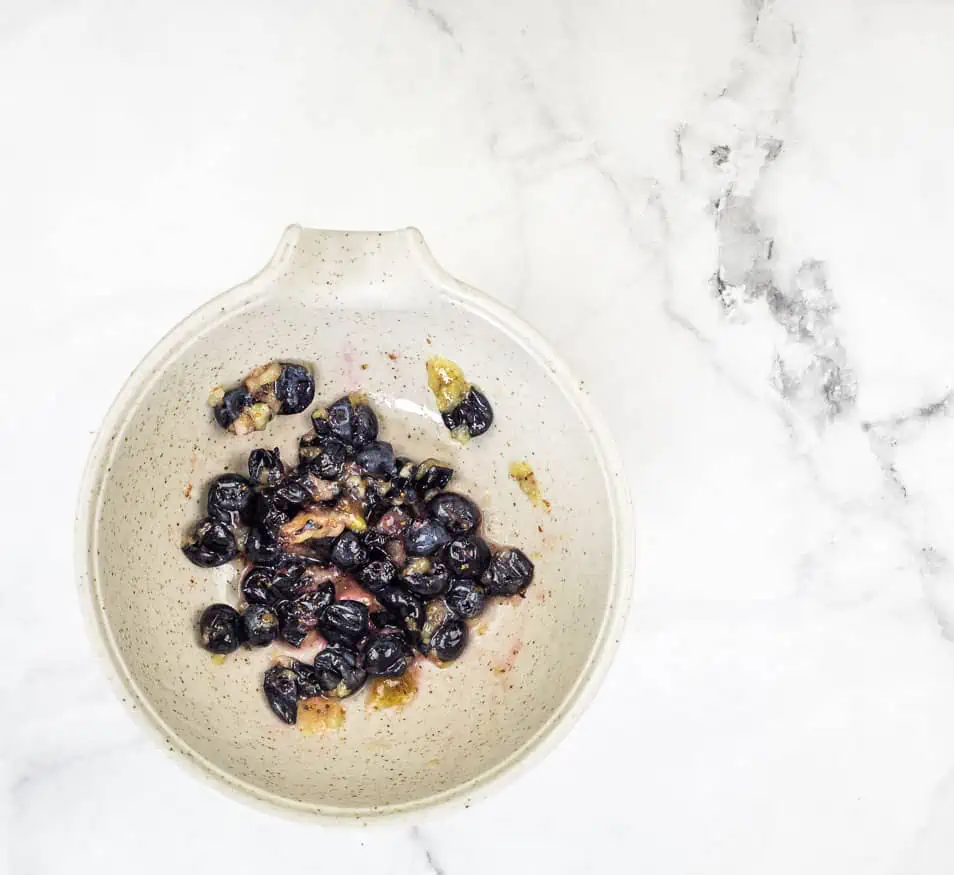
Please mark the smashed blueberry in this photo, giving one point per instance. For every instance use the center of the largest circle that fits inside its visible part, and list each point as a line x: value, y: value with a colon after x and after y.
x: 293, y: 493
x: 456, y: 513
x: 387, y: 655
x: 338, y: 671
x: 449, y: 640
x: 406, y: 607
x: 352, y: 424
x: 510, y: 572
x: 393, y: 523
x: 281, y: 690
x: 428, y: 583
x: 220, y: 628
x: 307, y: 680
x: 474, y: 414
x: 265, y: 467
x: 348, y: 552
x: 261, y: 625
x: 289, y: 583
x: 376, y: 542
x: 232, y: 406
x: 432, y: 475
x: 424, y: 537
x: 344, y: 622
x: 262, y: 547
x: 297, y: 618
x: 269, y: 510
x: 230, y: 499
x: 329, y: 463
x: 257, y: 586
x: 211, y: 544
x: 294, y: 389
x: 377, y: 459
x: 377, y: 574
x: 467, y: 556
x: 466, y: 598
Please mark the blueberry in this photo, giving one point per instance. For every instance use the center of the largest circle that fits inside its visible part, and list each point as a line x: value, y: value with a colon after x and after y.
x: 344, y: 622
x: 407, y: 607
x: 377, y: 459
x: 364, y: 426
x: 428, y: 583
x: 220, y: 628
x: 431, y: 474
x: 424, y: 537
x: 257, y: 586
x: 294, y: 388
x: 269, y: 510
x: 210, y: 544
x: 232, y: 406
x: 289, y: 583
x: 262, y: 547
x: 281, y: 690
x: 387, y: 655
x: 307, y: 680
x: 265, y: 467
x: 457, y: 513
x: 377, y: 574
x: 261, y: 625
x: 449, y: 639
x: 376, y: 542
x: 466, y: 598
x: 474, y: 413
x: 297, y: 618
x: 382, y: 620
x: 467, y: 556
x: 352, y: 424
x: 348, y: 552
x: 329, y: 463
x: 510, y: 572
x: 293, y: 493
x: 230, y: 499
x: 338, y: 671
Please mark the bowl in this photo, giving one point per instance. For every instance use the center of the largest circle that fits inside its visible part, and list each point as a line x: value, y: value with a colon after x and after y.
x: 365, y: 309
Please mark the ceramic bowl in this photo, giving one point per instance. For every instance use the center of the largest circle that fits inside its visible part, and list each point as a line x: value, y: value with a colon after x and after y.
x: 365, y: 310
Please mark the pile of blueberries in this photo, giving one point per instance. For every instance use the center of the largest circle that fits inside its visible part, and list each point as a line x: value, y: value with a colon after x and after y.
x: 354, y: 514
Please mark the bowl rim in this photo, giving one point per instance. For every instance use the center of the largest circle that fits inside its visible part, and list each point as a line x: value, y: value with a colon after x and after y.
x: 602, y: 651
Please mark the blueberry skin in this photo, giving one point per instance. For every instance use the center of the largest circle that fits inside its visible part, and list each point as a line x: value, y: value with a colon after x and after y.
x: 262, y: 548
x: 281, y: 690
x: 211, y: 544
x: 456, y: 513
x: 449, y: 640
x: 466, y: 598
x: 424, y: 537
x: 468, y: 556
x: 220, y: 629
x: 294, y: 389
x: 348, y: 552
x: 232, y: 406
x: 377, y: 574
x: 431, y: 474
x: 265, y: 467
x: 344, y: 622
x: 261, y: 625
x: 257, y: 586
x: 387, y: 655
x: 377, y: 459
x: 430, y: 583
x: 510, y: 572
x: 406, y: 607
x: 338, y: 671
x: 473, y: 413
x: 230, y: 499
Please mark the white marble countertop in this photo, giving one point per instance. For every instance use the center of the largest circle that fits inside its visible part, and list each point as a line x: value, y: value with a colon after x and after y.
x: 729, y: 216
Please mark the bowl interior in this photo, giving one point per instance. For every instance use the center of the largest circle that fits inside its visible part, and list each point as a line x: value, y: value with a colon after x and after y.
x: 366, y: 318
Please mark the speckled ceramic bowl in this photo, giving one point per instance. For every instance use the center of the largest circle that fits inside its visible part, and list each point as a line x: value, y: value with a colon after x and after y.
x: 366, y: 310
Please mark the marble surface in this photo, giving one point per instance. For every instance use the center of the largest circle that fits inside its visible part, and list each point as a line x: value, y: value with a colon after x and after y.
x: 730, y: 217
